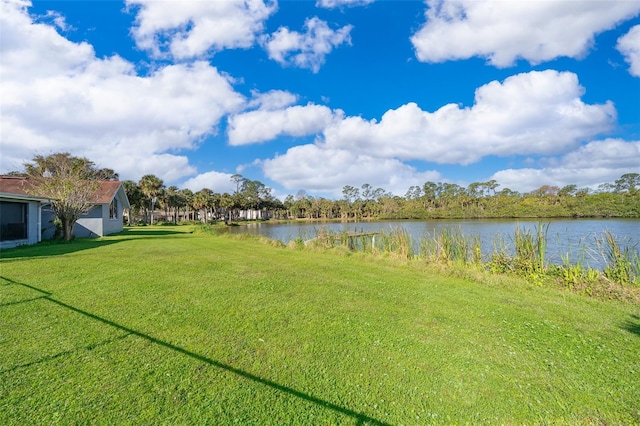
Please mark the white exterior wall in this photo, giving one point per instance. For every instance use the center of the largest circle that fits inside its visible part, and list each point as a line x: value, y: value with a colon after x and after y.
x: 90, y: 224
x: 253, y: 214
x: 96, y: 223
x: 111, y: 226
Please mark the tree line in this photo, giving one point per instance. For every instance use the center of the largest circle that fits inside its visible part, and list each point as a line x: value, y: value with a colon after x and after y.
x: 251, y: 200
x: 432, y: 200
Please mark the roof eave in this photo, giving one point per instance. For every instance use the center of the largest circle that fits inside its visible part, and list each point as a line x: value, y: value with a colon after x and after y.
x: 20, y: 197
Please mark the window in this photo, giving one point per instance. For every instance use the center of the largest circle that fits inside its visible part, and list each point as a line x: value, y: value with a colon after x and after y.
x: 13, y: 221
x: 113, y: 209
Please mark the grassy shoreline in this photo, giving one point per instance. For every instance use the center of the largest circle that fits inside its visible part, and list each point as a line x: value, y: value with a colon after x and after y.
x: 617, y: 275
x: 161, y: 325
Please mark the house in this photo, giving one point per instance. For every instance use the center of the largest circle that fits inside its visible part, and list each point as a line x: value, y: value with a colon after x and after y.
x: 28, y: 219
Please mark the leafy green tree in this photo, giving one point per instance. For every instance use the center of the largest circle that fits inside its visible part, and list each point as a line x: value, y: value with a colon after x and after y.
x: 629, y: 183
x: 606, y: 187
x: 413, y: 193
x: 492, y: 185
x: 252, y: 192
x: 367, y: 191
x: 568, y: 191
x: 350, y: 193
x: 107, y: 174
x: 508, y: 192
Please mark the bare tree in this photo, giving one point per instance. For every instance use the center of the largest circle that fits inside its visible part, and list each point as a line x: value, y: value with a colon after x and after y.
x: 69, y: 182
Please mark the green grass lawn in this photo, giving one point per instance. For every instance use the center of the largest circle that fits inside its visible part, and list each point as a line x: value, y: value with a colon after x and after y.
x: 163, y: 326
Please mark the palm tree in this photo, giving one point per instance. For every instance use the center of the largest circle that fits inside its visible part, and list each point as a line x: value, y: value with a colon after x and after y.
x: 226, y: 203
x: 187, y: 196
x: 202, y: 200
x: 174, y: 201
x: 136, y: 199
x: 151, y: 186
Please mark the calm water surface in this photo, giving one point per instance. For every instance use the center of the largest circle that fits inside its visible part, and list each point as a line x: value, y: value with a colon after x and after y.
x: 575, y: 237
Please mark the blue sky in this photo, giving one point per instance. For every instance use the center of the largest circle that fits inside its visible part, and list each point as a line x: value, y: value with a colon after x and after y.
x: 316, y: 95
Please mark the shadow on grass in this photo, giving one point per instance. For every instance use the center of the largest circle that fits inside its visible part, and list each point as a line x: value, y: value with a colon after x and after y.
x: 632, y: 325
x: 153, y: 232
x: 54, y: 248
x: 64, y: 353
x: 360, y: 418
x: 60, y: 247
x: 19, y: 302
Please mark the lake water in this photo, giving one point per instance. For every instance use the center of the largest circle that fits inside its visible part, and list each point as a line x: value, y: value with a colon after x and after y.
x: 575, y: 237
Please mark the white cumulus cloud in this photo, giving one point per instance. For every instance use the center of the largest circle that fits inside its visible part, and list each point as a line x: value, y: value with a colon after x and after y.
x: 332, y: 4
x: 272, y: 100
x: 191, y: 28
x: 629, y: 46
x: 613, y: 154
x: 588, y: 166
x: 505, y: 31
x: 57, y: 96
x: 529, y: 113
x: 308, y: 49
x: 263, y: 125
x: 313, y: 168
x: 213, y: 180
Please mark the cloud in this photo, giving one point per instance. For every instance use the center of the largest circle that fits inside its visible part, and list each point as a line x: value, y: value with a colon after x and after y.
x: 263, y: 125
x: 588, y: 166
x: 332, y: 4
x: 215, y: 181
x: 272, y: 100
x: 57, y: 96
x: 57, y: 19
x: 629, y: 46
x: 305, y: 50
x: 313, y: 168
x: 504, y: 31
x: 529, y: 113
x: 26, y: 47
x: 188, y: 29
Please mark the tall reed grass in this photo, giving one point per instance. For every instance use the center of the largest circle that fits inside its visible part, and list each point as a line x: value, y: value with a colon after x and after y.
x: 621, y: 265
x: 450, y: 245
x: 530, y: 249
x: 396, y: 241
x: 524, y: 254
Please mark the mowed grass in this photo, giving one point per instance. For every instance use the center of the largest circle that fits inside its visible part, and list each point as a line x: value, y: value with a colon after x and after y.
x: 164, y: 326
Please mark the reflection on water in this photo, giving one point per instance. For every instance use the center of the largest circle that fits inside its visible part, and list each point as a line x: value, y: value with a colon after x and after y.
x: 577, y: 238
